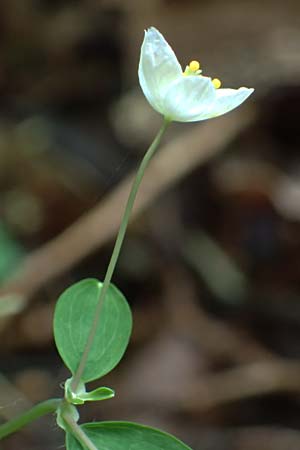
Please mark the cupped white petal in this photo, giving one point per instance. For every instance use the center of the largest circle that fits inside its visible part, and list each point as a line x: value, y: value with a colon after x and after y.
x: 228, y: 99
x: 188, y: 98
x: 158, y: 68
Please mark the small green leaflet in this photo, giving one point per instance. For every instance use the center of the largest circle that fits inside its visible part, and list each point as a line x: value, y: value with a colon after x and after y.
x: 81, y: 395
x: 125, y: 436
x: 73, y: 317
x: 101, y: 393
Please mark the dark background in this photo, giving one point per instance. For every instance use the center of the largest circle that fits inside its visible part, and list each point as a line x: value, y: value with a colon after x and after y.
x: 210, y: 267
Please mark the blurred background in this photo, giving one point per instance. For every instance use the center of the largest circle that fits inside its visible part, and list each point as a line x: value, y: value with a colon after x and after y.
x: 210, y: 265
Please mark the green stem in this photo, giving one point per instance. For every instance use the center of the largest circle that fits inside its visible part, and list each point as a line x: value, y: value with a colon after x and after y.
x: 41, y: 409
x: 78, y: 432
x: 116, y: 251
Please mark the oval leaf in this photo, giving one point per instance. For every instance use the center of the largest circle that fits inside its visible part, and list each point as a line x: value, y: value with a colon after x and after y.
x: 73, y: 317
x: 125, y: 436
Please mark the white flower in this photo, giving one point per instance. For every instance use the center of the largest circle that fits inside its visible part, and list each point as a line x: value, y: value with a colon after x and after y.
x: 181, y: 96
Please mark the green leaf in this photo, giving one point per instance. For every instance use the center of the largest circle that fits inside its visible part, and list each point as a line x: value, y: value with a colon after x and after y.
x: 222, y: 276
x: 81, y: 395
x: 11, y: 253
x: 73, y: 318
x: 101, y: 393
x: 125, y: 436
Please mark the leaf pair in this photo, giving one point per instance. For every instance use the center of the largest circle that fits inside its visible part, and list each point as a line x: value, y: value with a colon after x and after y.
x: 74, y: 315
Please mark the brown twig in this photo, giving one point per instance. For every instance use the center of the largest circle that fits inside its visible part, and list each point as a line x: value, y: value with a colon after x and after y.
x: 260, y: 371
x: 95, y: 228
x: 255, y: 379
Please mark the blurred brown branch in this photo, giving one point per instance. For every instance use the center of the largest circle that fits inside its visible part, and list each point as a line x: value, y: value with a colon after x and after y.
x: 95, y: 228
x: 255, y: 379
x: 259, y: 371
x: 268, y: 438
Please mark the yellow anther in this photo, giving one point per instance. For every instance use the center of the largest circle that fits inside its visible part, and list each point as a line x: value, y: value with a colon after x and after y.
x: 216, y: 82
x: 194, y: 66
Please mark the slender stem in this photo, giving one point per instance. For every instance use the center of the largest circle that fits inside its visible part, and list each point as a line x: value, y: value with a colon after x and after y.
x: 78, y: 432
x: 41, y: 409
x: 116, y: 251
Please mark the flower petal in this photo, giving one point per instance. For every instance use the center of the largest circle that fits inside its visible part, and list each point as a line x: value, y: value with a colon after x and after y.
x: 188, y: 98
x: 158, y: 67
x: 228, y: 99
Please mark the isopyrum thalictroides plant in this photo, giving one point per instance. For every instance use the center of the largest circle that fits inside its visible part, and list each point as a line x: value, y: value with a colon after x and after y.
x: 92, y: 320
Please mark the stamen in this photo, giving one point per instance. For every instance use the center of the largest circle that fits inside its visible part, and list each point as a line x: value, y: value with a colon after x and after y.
x: 194, y: 66
x: 216, y: 82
